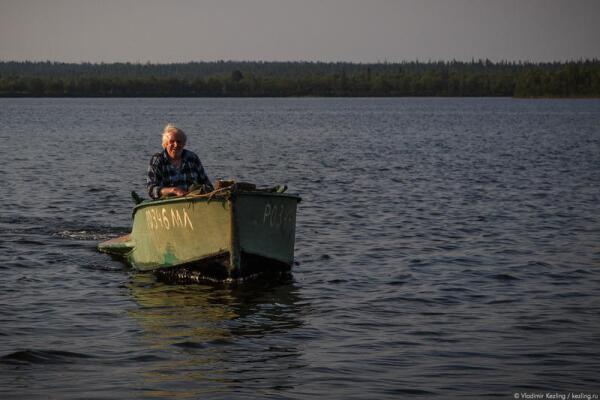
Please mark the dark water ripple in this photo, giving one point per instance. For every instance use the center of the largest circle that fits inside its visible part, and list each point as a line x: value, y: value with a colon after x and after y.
x: 446, y: 248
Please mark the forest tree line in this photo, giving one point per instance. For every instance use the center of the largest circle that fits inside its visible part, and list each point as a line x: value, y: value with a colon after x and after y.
x: 284, y: 79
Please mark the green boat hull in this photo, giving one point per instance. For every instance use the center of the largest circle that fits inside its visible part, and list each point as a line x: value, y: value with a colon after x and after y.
x: 221, y: 237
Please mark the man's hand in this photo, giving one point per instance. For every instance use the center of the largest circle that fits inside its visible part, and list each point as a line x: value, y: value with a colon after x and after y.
x: 172, y: 191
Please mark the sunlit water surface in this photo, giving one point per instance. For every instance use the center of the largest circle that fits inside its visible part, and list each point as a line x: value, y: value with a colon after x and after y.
x: 445, y: 248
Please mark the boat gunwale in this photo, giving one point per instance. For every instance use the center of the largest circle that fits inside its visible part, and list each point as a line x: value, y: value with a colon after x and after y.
x: 225, y: 196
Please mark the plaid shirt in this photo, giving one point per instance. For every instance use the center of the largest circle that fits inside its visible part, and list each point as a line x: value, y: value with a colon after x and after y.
x: 161, y: 173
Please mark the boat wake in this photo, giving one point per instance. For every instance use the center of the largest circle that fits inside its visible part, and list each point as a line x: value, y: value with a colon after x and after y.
x: 88, y: 234
x: 42, y: 357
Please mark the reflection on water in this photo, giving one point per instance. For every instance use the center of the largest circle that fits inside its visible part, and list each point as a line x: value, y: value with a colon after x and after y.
x: 170, y: 314
x: 211, y: 339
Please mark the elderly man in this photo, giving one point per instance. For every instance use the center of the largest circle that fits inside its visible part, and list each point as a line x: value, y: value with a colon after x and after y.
x: 175, y: 170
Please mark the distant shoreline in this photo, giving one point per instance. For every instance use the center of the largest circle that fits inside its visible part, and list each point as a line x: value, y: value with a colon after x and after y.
x: 230, y: 79
x: 2, y: 96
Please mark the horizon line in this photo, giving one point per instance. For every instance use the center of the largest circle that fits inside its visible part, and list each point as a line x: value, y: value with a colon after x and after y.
x: 379, y: 62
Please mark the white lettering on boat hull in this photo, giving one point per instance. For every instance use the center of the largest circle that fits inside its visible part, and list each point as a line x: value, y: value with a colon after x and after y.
x: 279, y: 217
x: 161, y: 219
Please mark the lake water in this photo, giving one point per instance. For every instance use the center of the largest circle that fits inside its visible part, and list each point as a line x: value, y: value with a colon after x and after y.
x: 445, y: 248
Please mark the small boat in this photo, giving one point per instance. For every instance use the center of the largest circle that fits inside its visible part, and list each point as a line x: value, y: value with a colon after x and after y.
x: 229, y: 234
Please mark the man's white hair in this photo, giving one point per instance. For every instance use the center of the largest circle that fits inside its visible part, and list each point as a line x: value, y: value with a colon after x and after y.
x: 171, y: 128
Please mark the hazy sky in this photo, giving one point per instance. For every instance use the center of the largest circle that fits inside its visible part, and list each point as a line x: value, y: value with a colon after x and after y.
x: 314, y: 30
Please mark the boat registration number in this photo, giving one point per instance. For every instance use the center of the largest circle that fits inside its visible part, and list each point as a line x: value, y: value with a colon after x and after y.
x: 163, y: 219
x: 278, y: 216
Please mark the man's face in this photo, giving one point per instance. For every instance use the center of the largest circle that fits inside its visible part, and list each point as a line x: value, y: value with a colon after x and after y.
x: 174, y: 143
